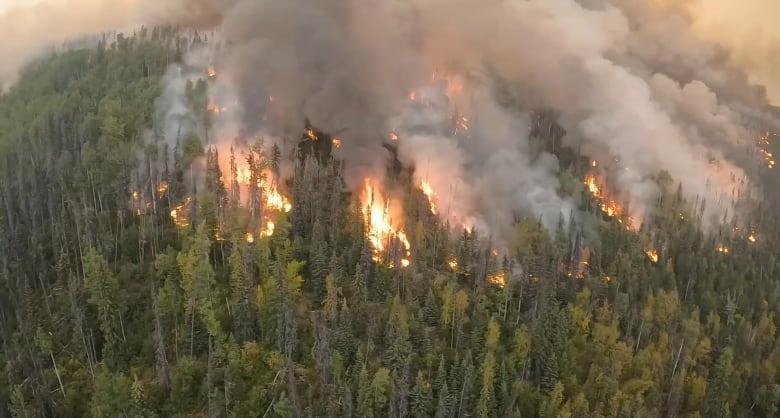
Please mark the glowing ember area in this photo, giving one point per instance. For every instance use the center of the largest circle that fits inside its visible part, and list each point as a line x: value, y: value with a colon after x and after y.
x: 311, y: 135
x: 249, y: 237
x: 393, y: 136
x: 582, y: 265
x: 336, y: 143
x: 453, y: 263
x: 179, y: 214
x: 216, y: 109
x: 412, y: 95
x: 769, y: 159
x: 380, y: 231
x: 752, y: 238
x: 212, y: 72
x: 162, y: 188
x: 463, y: 123
x: 428, y: 192
x: 136, y: 196
x: 652, y: 255
x: 723, y: 249
x: 497, y: 278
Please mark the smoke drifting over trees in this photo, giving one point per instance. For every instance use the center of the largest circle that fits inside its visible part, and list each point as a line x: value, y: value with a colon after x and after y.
x: 632, y: 82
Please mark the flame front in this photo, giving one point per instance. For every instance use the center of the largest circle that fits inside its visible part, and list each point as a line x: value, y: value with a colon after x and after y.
x: 608, y: 206
x: 380, y: 229
x: 769, y: 159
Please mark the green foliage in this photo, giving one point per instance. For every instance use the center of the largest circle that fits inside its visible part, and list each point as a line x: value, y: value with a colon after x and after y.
x: 109, y: 309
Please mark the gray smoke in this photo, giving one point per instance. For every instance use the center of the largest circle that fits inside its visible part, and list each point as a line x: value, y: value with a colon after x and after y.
x: 630, y: 79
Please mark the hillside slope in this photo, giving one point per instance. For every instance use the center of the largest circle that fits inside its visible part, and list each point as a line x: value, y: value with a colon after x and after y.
x: 110, y: 307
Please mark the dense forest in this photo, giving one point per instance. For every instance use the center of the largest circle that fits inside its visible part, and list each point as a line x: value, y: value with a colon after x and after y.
x: 111, y: 310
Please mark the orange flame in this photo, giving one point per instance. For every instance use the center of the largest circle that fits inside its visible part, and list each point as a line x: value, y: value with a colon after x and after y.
x: 608, y: 206
x: 393, y: 136
x: 428, y: 192
x: 497, y: 278
x: 212, y: 72
x: 723, y: 249
x: 272, y: 198
x: 652, y: 254
x: 212, y: 107
x: 453, y: 263
x: 380, y: 229
x: 768, y: 157
x: 336, y: 143
x: 162, y: 188
x: 178, y: 214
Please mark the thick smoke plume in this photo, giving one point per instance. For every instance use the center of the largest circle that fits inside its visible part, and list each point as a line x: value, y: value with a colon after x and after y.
x: 636, y: 84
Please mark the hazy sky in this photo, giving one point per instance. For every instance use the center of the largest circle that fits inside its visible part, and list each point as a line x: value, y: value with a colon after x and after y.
x: 745, y: 26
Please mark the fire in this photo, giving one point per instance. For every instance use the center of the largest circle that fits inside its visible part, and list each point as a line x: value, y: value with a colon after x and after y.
x: 162, y: 188
x: 310, y: 133
x: 593, y: 187
x: 212, y: 107
x: 723, y: 249
x: 393, y: 136
x: 412, y: 95
x: 652, y: 254
x: 336, y: 142
x: 453, y: 263
x: 380, y: 230
x: 752, y: 238
x: 272, y: 198
x: 608, y: 206
x: 270, y: 226
x: 136, y: 195
x: 178, y: 214
x: 212, y: 72
x: 768, y: 157
x: 428, y: 192
x: 250, y: 238
x: 463, y: 123
x: 497, y: 278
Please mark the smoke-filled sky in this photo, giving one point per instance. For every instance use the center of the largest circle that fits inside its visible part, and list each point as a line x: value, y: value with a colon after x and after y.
x: 748, y: 27
x: 652, y: 84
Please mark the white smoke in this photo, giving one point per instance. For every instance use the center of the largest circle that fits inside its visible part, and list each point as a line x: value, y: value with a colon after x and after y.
x: 631, y: 78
